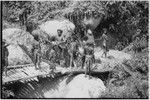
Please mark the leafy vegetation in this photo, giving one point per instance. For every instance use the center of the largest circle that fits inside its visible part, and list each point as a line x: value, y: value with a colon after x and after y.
x: 124, y: 19
x: 6, y: 93
x: 121, y: 18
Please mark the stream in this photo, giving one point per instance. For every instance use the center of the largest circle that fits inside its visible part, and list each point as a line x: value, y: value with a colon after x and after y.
x: 47, y: 87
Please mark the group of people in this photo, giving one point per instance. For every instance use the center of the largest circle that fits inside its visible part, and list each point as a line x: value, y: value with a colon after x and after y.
x: 84, y: 48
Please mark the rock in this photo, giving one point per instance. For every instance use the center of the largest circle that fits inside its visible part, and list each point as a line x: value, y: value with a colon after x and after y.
x: 15, y: 36
x: 79, y: 87
x: 50, y: 27
x: 17, y: 56
x: 92, y: 22
x: 83, y: 87
x: 39, y: 33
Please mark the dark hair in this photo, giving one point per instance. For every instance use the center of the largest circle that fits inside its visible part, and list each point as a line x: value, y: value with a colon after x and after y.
x: 53, y: 38
x: 104, y: 29
x: 3, y: 43
x: 85, y: 38
x: 59, y: 30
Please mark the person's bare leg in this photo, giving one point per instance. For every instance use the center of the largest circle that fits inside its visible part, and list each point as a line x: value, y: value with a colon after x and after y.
x: 5, y: 71
x: 105, y: 54
x: 85, y: 71
x: 62, y: 53
x: 83, y: 62
x: 5, y: 68
x: 93, y: 59
x: 89, y: 69
x: 91, y: 64
x: 39, y: 63
x: 70, y: 61
x: 86, y: 67
x: 36, y: 66
x: 36, y: 61
x: 103, y: 49
x: 74, y: 64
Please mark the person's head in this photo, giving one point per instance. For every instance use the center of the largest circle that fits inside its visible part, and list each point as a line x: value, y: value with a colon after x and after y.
x: 53, y: 38
x: 59, y: 32
x: 138, y: 31
x: 105, y: 30
x: 89, y: 32
x: 3, y: 42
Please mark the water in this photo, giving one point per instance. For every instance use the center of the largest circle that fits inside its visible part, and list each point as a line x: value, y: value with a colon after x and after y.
x: 47, y: 87
x: 34, y: 89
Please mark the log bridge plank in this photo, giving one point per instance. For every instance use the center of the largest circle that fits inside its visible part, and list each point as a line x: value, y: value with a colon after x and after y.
x: 28, y: 72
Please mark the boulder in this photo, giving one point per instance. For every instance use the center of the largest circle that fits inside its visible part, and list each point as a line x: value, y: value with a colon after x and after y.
x: 92, y: 22
x: 17, y: 56
x: 50, y: 27
x: 83, y: 87
x: 77, y: 87
x: 38, y: 33
x: 15, y: 36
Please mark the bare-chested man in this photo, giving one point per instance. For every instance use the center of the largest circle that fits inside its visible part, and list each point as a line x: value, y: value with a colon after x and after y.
x: 104, y: 45
x: 89, y: 44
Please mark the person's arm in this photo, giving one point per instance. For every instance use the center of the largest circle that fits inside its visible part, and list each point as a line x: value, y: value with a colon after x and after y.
x: 101, y: 37
x: 94, y: 43
x: 7, y: 45
x: 84, y: 43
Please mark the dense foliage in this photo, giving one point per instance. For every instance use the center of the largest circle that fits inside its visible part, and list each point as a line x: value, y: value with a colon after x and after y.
x: 122, y: 18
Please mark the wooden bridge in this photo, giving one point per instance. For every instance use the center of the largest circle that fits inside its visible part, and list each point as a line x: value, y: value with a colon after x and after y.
x: 28, y: 72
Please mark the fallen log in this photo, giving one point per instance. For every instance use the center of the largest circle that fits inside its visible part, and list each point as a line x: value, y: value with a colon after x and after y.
x: 57, y: 72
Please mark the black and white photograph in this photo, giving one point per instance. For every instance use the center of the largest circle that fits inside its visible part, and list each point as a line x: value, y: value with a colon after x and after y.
x: 74, y: 49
